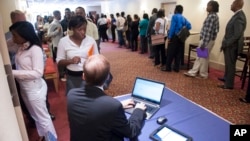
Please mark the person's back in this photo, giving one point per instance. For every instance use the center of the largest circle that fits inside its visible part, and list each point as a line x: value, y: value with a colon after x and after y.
x: 95, y: 116
x: 92, y: 117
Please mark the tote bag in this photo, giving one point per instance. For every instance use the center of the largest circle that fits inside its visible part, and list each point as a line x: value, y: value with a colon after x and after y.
x: 158, y: 39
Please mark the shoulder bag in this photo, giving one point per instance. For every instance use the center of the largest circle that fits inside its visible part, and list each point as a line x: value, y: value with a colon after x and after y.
x: 183, y: 33
x: 158, y: 39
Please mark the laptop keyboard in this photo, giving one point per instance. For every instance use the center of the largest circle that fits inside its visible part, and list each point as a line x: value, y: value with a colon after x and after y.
x: 148, y: 109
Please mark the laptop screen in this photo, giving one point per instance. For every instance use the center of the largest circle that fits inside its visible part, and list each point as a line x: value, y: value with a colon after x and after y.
x: 148, y: 90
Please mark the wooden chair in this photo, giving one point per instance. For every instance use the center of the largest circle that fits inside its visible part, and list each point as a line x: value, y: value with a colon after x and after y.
x: 242, y: 57
x: 192, y: 48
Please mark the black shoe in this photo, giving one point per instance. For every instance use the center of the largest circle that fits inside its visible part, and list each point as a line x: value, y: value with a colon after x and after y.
x: 244, y: 100
x: 52, y: 116
x: 225, y: 87
x: 176, y: 70
x: 151, y: 57
x: 165, y: 69
x: 221, y: 79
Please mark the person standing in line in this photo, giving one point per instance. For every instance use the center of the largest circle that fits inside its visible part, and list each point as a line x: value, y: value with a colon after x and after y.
x: 120, y: 26
x: 91, y: 30
x: 29, y: 72
x: 55, y: 32
x: 17, y: 16
x: 151, y: 31
x: 175, y: 45
x: 208, y: 35
x: 113, y: 27
x: 95, y: 116
x: 143, y: 24
x: 134, y: 32
x: 65, y: 21
x: 102, y: 28
x: 73, y: 50
x: 39, y: 27
x: 232, y: 43
x: 160, y: 28
x: 125, y: 28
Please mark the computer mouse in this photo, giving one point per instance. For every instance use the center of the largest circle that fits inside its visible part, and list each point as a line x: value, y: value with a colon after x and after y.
x: 161, y: 120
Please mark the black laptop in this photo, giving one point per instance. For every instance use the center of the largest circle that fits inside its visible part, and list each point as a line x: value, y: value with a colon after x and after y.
x: 149, y: 92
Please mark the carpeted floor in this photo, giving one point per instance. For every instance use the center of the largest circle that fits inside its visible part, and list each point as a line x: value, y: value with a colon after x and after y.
x: 126, y: 65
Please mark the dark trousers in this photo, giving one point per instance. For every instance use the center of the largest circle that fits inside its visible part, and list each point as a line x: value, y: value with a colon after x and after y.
x: 120, y: 37
x: 151, y: 48
x: 134, y: 42
x: 230, y: 57
x: 54, y: 51
x: 174, y: 51
x: 160, y: 54
x: 113, y: 33
x: 103, y: 33
x: 144, y: 46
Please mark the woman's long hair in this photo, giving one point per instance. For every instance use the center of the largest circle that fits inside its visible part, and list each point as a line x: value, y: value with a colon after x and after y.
x: 26, y: 30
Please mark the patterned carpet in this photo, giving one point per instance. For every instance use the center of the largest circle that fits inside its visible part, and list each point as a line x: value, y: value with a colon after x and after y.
x: 126, y: 65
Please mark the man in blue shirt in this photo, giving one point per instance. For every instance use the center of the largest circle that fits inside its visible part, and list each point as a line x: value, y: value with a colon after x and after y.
x: 176, y: 46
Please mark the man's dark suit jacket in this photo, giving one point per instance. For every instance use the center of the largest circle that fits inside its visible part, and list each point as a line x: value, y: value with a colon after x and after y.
x: 235, y: 32
x: 95, y: 116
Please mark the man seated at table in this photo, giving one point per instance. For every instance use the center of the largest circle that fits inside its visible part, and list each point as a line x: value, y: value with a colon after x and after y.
x: 95, y: 116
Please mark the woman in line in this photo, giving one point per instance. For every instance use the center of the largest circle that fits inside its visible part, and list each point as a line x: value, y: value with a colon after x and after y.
x: 143, y: 25
x: 134, y: 32
x: 160, y: 28
x: 29, y: 72
x: 73, y: 50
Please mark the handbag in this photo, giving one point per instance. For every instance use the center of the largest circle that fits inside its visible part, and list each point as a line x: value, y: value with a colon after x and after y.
x: 183, y: 34
x: 158, y: 39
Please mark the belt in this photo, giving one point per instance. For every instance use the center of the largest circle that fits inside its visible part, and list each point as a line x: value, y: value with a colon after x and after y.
x: 74, y: 73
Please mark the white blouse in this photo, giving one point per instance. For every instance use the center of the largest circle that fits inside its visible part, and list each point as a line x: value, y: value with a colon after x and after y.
x: 67, y: 50
x: 29, y: 63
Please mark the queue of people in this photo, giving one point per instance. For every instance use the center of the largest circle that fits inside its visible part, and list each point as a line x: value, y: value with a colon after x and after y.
x: 75, y: 42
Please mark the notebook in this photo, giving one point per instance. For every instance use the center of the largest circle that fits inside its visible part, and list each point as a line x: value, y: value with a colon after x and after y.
x: 149, y: 92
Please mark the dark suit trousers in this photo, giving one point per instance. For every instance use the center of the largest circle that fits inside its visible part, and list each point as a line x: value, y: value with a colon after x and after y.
x: 113, y: 33
x: 230, y: 57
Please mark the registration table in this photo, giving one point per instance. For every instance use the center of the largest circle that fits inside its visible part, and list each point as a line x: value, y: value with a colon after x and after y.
x: 187, y: 117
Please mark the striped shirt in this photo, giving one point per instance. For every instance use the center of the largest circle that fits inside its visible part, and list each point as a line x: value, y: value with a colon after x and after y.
x: 209, y: 29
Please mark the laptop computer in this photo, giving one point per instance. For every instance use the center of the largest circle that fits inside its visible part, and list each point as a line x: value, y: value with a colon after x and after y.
x: 149, y: 92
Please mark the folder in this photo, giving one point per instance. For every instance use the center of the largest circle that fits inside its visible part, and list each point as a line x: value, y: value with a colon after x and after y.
x: 202, y: 53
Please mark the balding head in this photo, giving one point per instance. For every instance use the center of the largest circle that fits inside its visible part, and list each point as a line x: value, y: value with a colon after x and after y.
x: 96, y: 70
x: 17, y: 16
x: 237, y: 5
